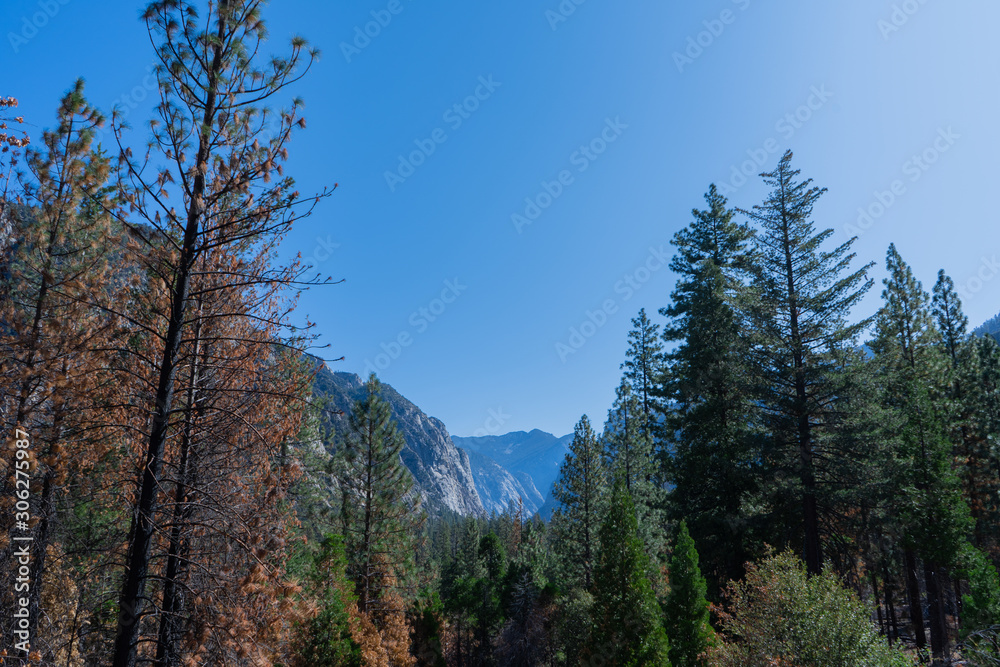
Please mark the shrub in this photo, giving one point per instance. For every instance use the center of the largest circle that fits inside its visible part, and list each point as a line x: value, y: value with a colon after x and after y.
x: 780, y: 617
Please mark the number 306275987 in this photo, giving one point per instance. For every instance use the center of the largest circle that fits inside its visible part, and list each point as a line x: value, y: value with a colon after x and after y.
x: 21, y: 483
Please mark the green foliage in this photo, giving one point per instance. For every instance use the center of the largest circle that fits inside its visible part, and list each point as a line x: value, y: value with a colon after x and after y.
x: 628, y: 449
x: 326, y: 638
x: 934, y: 516
x: 573, y: 626
x: 380, y: 515
x: 981, y: 608
x: 708, y: 434
x: 428, y: 628
x: 580, y: 492
x: 643, y: 366
x: 779, y: 615
x: 626, y: 618
x: 686, y: 611
x: 799, y: 308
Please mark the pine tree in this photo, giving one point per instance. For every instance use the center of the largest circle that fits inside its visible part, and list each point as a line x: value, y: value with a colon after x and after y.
x: 643, y: 366
x: 51, y: 335
x: 983, y: 402
x: 973, y: 453
x: 628, y: 450
x: 711, y: 415
x: 686, y: 610
x: 326, y: 639
x: 214, y: 197
x: 933, y: 515
x: 626, y: 618
x: 381, y: 516
x: 580, y: 492
x: 803, y: 295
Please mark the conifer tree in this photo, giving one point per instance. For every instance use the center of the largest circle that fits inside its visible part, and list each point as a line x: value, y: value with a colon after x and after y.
x: 326, y: 639
x: 643, y: 366
x: 711, y: 414
x: 580, y: 492
x: 982, y: 399
x: 974, y: 456
x: 686, y: 610
x: 934, y: 516
x: 50, y: 335
x: 215, y: 195
x: 627, y: 629
x: 802, y: 295
x: 628, y: 450
x: 381, y: 515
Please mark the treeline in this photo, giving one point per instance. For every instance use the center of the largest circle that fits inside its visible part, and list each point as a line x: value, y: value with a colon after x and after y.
x: 825, y: 484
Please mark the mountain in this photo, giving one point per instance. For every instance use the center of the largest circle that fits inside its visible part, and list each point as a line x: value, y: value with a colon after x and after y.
x: 990, y: 327
x: 441, y: 471
x: 529, y: 459
x: 498, y: 488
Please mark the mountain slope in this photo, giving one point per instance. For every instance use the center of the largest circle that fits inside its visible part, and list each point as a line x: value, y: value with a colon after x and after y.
x: 498, y: 488
x: 441, y: 471
x: 534, y: 456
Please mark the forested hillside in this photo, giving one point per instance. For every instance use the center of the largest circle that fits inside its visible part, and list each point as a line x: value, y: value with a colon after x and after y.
x: 782, y: 479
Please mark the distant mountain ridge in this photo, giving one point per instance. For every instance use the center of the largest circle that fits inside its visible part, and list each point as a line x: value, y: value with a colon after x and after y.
x: 499, y: 489
x: 530, y: 459
x: 990, y: 327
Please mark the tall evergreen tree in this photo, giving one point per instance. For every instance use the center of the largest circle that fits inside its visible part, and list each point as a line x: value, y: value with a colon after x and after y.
x: 973, y: 452
x: 643, y: 366
x: 628, y: 450
x: 686, y: 610
x: 627, y: 629
x: 934, y: 515
x: 580, y: 492
x: 983, y: 399
x: 710, y: 412
x: 803, y: 295
x: 381, y: 515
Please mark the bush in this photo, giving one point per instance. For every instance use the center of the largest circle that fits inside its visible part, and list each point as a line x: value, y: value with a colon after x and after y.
x: 779, y: 616
x: 981, y: 608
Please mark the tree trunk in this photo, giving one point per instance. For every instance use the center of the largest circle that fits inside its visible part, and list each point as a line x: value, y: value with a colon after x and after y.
x: 892, y: 626
x: 939, y: 628
x: 913, y: 592
x: 130, y: 602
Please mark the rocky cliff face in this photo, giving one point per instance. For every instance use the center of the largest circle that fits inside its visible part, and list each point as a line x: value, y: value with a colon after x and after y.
x: 440, y: 469
x: 530, y: 460
x: 498, y: 488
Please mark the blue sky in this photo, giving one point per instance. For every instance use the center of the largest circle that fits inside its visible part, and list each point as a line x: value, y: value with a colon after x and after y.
x: 612, y: 119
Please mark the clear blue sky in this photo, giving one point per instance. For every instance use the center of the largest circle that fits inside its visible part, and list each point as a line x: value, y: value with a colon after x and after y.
x: 885, y: 95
